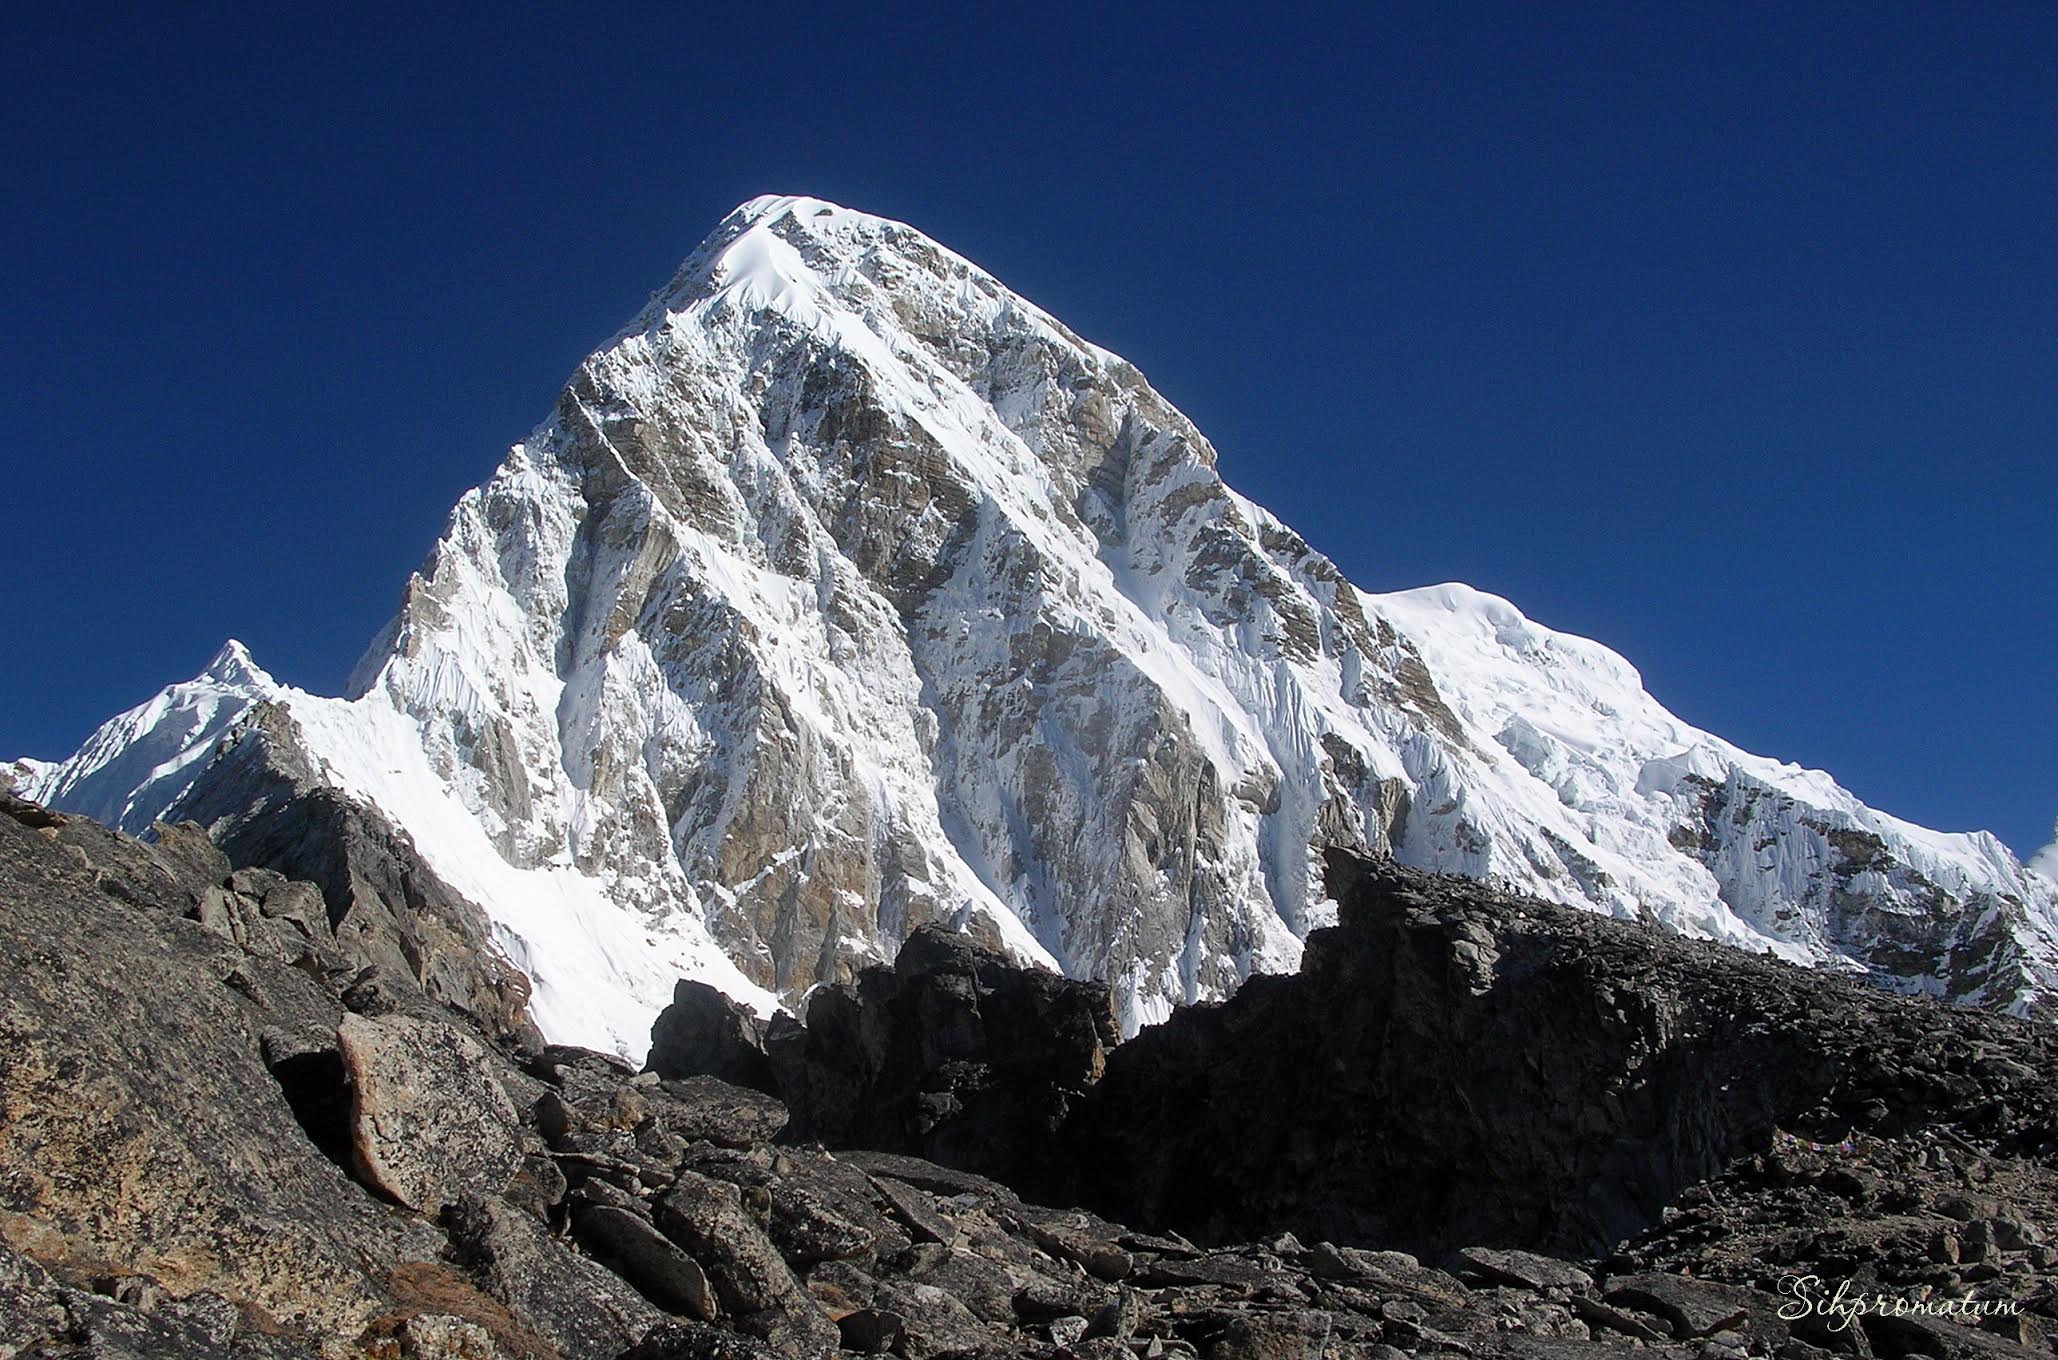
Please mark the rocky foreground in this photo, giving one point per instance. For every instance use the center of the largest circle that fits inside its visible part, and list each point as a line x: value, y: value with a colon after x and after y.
x: 244, y: 1116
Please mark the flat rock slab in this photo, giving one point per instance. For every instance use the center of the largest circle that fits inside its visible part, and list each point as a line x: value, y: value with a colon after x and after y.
x: 937, y: 1180
x: 751, y: 1278
x: 1392, y: 1272
x: 1638, y: 1326
x: 917, y: 1209
x: 1692, y: 1307
x: 1099, y: 1259
x: 1524, y: 1269
x: 725, y: 1114
x: 646, y: 1258
x: 1230, y: 1272
x: 429, y: 1123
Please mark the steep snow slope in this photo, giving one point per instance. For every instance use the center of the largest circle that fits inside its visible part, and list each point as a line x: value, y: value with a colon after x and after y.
x: 845, y: 590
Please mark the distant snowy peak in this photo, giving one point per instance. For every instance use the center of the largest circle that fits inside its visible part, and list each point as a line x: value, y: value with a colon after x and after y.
x: 137, y: 764
x: 845, y: 590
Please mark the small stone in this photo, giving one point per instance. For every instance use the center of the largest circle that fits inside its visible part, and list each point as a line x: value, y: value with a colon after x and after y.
x: 871, y: 1331
x: 1065, y: 1330
x: 1044, y: 1299
x: 1118, y: 1319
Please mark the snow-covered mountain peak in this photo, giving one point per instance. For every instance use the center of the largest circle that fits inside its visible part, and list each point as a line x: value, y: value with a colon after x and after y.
x: 234, y: 667
x: 845, y: 590
x: 139, y: 763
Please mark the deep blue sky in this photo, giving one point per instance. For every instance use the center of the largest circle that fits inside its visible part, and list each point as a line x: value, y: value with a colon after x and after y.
x: 1725, y: 335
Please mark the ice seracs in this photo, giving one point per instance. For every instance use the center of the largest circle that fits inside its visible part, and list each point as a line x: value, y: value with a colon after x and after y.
x: 845, y: 590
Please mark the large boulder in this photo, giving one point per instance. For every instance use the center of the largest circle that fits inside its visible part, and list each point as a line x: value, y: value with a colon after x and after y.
x: 705, y: 1033
x: 954, y: 1053
x: 429, y: 1122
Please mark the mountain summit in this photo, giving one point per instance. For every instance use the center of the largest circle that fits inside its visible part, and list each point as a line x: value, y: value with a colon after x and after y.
x: 845, y: 590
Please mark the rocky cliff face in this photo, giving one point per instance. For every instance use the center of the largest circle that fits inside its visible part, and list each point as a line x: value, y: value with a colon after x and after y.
x: 1453, y: 1065
x: 226, y: 1130
x: 845, y: 591
x: 1472, y: 1066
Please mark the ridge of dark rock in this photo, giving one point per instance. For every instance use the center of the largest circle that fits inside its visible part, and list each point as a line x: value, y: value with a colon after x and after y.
x: 228, y: 1129
x: 1459, y: 1065
x: 266, y: 809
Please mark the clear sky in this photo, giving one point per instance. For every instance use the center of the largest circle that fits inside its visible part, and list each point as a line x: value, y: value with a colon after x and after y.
x: 1725, y: 334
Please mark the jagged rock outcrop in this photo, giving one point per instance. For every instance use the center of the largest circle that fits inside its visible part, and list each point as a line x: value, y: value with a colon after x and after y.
x: 1468, y: 1066
x: 704, y: 1033
x: 954, y: 1053
x: 267, y: 807
x: 190, y: 1068
x: 846, y: 591
x: 145, y: 1133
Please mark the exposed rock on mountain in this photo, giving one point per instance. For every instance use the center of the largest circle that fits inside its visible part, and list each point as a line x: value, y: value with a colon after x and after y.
x: 952, y: 1054
x: 165, y: 1023
x: 215, y: 1142
x: 1453, y: 1065
x: 845, y: 590
x: 268, y: 809
x: 1468, y: 1066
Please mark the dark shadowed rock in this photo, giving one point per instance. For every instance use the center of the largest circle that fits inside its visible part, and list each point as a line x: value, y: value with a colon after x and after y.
x: 1464, y: 1066
x: 696, y: 1341
x: 1692, y: 1308
x: 872, y: 1331
x: 646, y: 1258
x: 952, y: 1054
x: 705, y: 1033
